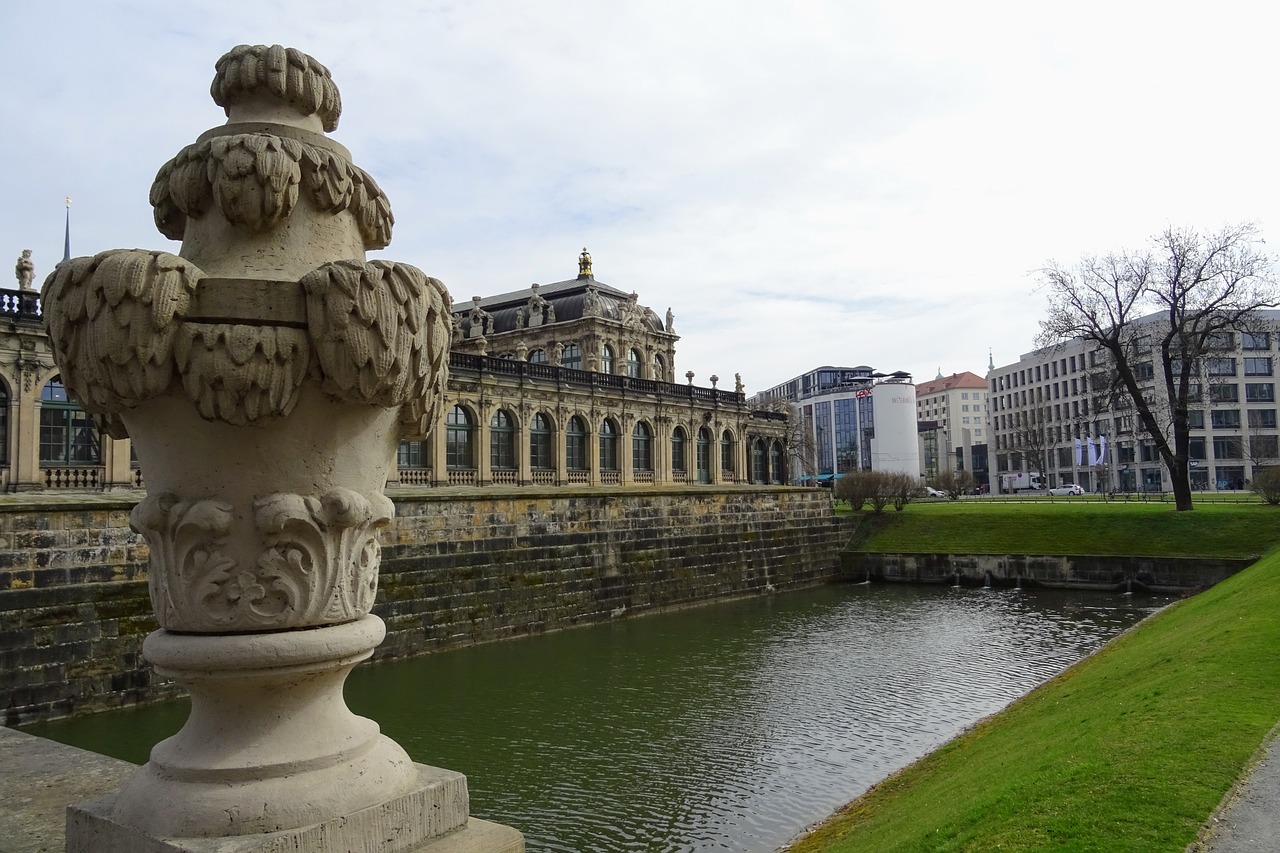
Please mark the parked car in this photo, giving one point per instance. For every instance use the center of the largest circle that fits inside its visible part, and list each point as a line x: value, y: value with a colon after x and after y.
x: 931, y: 492
x: 1066, y: 489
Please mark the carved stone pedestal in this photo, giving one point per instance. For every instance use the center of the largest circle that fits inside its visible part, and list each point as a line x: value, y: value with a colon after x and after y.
x: 393, y: 827
x: 265, y: 375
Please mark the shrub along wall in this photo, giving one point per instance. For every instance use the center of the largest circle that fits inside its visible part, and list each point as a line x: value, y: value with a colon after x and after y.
x: 457, y: 567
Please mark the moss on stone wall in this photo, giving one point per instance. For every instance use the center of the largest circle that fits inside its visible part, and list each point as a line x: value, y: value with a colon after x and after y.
x: 457, y: 568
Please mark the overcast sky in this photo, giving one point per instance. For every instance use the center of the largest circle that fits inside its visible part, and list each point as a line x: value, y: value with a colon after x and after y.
x: 803, y: 183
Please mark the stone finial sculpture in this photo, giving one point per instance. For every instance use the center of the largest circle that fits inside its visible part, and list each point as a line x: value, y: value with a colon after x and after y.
x: 25, y: 270
x: 266, y: 374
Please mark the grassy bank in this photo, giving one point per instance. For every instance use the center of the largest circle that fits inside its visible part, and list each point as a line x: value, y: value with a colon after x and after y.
x: 1130, y: 750
x: 976, y: 527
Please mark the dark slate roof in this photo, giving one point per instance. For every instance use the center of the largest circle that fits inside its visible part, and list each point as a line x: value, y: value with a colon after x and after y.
x: 567, y: 297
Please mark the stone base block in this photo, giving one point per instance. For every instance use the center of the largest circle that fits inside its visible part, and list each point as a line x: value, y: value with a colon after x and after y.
x: 429, y: 819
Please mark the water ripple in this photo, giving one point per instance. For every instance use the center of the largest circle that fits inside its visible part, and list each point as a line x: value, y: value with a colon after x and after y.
x: 730, y: 727
x: 723, y: 728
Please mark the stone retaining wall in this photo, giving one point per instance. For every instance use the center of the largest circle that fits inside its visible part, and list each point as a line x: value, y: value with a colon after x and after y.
x: 1157, y: 574
x: 458, y: 567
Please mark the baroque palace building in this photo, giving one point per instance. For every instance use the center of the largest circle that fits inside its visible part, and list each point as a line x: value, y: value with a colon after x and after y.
x: 557, y: 384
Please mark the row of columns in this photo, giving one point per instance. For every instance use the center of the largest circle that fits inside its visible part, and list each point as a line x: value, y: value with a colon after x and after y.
x: 662, y: 429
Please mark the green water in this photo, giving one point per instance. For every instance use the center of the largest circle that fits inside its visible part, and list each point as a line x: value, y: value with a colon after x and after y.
x: 727, y: 727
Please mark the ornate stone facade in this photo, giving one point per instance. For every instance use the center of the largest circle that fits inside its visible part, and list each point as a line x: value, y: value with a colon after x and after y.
x: 50, y: 444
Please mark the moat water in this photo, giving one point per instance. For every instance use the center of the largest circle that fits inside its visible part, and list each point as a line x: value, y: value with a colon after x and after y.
x: 727, y: 727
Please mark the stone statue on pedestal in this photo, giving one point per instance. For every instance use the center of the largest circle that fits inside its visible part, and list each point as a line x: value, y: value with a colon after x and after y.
x: 25, y: 270
x: 266, y: 375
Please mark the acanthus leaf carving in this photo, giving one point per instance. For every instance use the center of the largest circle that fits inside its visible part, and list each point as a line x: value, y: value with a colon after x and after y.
x: 325, y: 551
x: 380, y: 331
x: 113, y: 319
x: 255, y: 178
x: 316, y: 563
x: 189, y: 563
x: 241, y: 374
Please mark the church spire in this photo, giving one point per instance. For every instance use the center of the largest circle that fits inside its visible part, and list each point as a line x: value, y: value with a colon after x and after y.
x: 66, y: 240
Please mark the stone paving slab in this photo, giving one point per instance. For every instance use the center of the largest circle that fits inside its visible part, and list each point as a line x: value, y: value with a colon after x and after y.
x: 38, y: 779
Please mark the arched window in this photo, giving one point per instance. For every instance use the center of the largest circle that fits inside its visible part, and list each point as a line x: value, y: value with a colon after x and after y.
x: 606, y: 359
x: 726, y: 455
x: 641, y: 448
x: 572, y: 357
x: 459, y: 444
x: 659, y: 367
x: 68, y: 436
x: 540, y: 434
x: 502, y: 441
x: 704, y: 455
x: 538, y: 356
x: 575, y: 445
x: 678, y: 462
x: 776, y: 473
x: 759, y: 462
x: 633, y: 364
x: 608, y: 446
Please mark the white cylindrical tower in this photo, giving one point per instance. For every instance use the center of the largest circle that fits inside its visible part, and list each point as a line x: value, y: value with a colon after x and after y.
x: 895, y: 447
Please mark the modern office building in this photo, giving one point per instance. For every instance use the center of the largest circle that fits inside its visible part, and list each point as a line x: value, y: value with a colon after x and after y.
x: 957, y: 406
x: 1061, y: 393
x: 853, y: 418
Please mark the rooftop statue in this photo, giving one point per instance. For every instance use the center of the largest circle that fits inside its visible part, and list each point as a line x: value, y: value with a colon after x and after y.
x: 25, y: 270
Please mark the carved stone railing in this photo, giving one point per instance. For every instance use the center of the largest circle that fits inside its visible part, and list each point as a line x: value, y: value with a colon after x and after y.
x: 543, y: 477
x: 86, y: 479
x: 462, y: 477
x: 466, y: 364
x: 20, y: 304
x: 415, y: 476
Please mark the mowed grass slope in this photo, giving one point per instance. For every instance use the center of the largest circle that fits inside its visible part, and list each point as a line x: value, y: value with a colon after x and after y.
x: 977, y: 527
x: 1131, y: 749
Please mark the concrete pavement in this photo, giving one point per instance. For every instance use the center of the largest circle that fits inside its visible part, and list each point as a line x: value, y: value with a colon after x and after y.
x: 1248, y: 820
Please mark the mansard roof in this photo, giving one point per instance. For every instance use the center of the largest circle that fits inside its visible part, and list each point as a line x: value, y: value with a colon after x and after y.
x: 569, y: 300
x: 968, y: 379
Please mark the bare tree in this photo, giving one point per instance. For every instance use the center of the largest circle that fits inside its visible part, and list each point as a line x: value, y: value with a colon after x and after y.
x: 878, y: 488
x: 902, y: 487
x: 954, y: 483
x: 1263, y: 449
x: 800, y: 444
x: 856, y: 487
x: 1197, y: 288
x: 1031, y: 438
x: 1266, y: 484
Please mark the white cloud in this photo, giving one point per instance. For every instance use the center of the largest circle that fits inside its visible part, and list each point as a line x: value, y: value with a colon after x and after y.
x: 804, y: 184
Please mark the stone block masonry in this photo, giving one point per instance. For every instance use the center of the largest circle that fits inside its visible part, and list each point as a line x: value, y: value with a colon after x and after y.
x: 1123, y: 572
x: 459, y: 566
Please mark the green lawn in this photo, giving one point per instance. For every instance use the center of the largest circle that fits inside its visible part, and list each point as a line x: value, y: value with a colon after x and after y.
x: 1150, y: 529
x: 1129, y: 750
